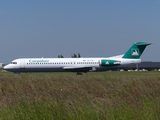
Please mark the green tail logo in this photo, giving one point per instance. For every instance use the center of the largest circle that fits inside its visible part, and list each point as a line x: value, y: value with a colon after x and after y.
x: 136, y: 50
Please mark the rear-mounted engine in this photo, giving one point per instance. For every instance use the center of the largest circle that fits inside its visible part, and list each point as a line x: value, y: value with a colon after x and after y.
x: 105, y: 62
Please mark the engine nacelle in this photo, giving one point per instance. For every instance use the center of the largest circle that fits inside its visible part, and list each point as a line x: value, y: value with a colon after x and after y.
x: 105, y: 62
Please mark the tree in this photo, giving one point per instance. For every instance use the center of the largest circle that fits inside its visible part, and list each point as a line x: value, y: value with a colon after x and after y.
x: 79, y: 56
x: 60, y: 56
x: 76, y: 56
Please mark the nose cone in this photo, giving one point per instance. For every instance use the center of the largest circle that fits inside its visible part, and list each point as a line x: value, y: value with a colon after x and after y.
x: 8, y: 68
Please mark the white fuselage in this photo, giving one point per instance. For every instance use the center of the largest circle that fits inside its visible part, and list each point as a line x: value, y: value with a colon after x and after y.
x: 132, y: 56
x: 65, y: 64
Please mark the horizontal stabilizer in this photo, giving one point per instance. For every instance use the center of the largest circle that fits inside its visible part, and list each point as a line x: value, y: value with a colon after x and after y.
x: 143, y: 43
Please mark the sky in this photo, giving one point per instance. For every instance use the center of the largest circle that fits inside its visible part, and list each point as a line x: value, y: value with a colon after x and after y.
x: 93, y: 28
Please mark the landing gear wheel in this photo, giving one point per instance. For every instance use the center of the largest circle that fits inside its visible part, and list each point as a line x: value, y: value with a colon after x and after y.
x: 79, y: 73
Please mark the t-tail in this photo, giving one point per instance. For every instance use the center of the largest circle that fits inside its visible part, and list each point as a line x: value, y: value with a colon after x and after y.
x: 136, y: 50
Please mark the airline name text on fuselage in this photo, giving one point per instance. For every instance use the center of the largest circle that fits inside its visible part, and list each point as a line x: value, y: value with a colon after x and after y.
x: 38, y: 61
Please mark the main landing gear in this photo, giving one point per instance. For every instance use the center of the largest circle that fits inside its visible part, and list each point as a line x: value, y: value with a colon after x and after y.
x: 79, y: 73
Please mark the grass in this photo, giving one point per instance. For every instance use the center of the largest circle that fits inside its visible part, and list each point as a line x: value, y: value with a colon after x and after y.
x: 94, y: 96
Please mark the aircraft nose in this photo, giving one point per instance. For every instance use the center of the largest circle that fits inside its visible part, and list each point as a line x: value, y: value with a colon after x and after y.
x: 8, y: 68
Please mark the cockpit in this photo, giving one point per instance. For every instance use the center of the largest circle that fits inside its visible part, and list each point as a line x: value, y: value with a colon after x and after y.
x: 13, y: 62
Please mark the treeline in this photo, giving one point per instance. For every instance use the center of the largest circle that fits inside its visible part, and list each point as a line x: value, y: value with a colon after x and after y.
x: 72, y: 56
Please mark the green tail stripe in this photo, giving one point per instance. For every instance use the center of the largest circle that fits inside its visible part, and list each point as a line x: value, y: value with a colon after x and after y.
x: 136, y: 50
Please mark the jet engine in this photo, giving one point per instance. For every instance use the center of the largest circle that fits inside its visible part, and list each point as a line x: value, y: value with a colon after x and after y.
x: 109, y: 63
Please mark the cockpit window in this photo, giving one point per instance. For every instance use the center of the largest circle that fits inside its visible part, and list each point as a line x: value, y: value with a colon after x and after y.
x: 14, y: 63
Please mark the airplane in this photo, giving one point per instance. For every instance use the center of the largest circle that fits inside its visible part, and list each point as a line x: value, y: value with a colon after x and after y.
x: 79, y: 65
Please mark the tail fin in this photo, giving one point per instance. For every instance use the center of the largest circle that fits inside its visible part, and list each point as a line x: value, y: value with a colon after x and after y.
x: 136, y: 50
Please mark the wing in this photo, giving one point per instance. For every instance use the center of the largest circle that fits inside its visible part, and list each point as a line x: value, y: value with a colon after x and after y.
x: 79, y: 69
